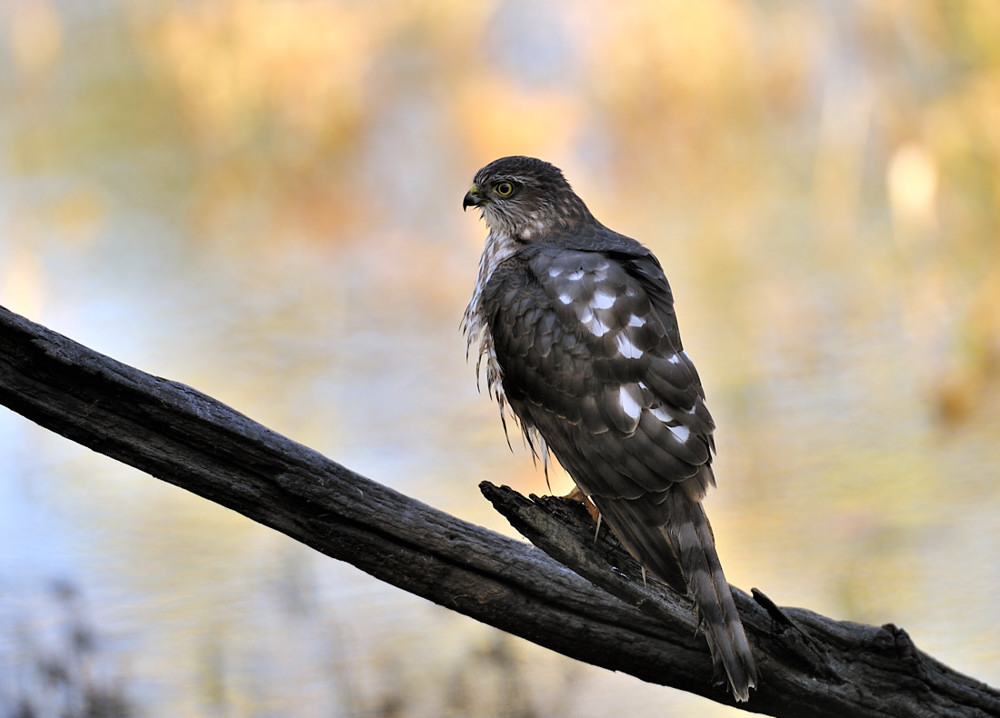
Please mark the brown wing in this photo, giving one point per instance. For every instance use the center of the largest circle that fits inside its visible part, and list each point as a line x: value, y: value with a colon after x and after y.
x: 591, y: 358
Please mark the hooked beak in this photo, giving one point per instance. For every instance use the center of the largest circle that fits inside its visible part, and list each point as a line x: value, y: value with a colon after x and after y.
x: 472, y: 198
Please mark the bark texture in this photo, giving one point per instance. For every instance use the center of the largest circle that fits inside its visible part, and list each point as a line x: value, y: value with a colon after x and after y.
x: 600, y: 612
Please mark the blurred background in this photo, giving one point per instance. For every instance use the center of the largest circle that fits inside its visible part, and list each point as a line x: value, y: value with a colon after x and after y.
x: 262, y: 199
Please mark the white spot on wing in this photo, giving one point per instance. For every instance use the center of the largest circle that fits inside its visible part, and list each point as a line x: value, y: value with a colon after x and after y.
x: 602, y: 300
x: 555, y: 271
x: 629, y: 405
x: 598, y: 328
x: 662, y: 414
x: 575, y: 275
x: 567, y: 299
x: 681, y: 433
x: 674, y: 359
x: 636, y: 321
x: 626, y: 348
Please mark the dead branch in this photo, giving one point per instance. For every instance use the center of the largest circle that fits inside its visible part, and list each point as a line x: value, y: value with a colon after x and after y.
x: 599, y: 612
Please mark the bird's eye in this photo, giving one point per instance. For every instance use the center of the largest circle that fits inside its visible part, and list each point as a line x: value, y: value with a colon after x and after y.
x: 504, y: 189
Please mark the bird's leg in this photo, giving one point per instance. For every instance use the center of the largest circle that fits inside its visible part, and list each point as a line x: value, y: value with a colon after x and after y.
x: 577, y: 495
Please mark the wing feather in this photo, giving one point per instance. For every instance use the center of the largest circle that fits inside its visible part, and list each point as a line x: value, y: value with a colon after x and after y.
x: 591, y: 338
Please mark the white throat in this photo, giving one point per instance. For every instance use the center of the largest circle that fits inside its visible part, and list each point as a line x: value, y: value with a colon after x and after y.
x: 499, y: 248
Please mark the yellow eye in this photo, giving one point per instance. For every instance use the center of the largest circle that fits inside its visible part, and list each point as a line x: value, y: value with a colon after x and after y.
x: 504, y: 189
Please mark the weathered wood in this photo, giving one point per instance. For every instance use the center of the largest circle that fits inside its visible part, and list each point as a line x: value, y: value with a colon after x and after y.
x: 810, y: 665
x: 848, y: 669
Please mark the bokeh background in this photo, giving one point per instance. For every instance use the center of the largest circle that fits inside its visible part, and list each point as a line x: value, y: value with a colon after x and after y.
x: 262, y: 199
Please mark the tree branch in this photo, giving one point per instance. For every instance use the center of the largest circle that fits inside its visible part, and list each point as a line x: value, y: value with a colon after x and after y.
x: 810, y: 665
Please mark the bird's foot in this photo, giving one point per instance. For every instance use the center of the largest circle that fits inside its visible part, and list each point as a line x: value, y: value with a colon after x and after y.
x: 577, y: 495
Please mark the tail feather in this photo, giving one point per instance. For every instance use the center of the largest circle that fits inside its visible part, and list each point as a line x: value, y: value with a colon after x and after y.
x: 682, y: 553
x: 692, y: 536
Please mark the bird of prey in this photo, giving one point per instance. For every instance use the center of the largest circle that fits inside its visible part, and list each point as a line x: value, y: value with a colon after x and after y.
x: 576, y: 325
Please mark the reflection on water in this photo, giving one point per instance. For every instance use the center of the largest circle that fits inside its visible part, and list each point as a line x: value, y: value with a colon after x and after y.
x: 262, y: 200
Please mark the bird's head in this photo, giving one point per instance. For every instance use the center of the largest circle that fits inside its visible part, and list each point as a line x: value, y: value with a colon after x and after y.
x: 524, y: 198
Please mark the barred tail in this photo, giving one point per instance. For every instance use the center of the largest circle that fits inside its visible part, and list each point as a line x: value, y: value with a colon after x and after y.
x: 681, y: 552
x: 695, y: 545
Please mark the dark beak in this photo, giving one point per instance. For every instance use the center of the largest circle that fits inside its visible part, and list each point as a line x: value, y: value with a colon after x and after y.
x: 472, y: 198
